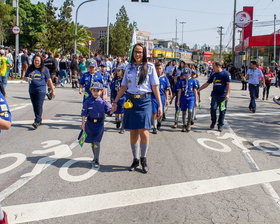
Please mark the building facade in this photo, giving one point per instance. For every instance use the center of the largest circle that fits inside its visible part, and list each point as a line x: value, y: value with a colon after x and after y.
x: 98, y: 33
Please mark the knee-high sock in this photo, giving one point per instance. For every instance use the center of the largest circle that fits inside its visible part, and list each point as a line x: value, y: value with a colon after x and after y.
x: 117, y: 118
x: 176, y: 117
x: 144, y: 149
x: 184, y: 113
x: 1, y: 213
x: 135, y: 151
x: 193, y: 114
x: 122, y: 122
x: 189, y: 116
x: 96, y: 150
x: 154, y: 123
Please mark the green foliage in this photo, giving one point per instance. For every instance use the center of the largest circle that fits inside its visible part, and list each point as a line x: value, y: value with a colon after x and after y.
x: 227, y: 57
x: 7, y: 20
x: 184, y: 46
x: 120, y: 34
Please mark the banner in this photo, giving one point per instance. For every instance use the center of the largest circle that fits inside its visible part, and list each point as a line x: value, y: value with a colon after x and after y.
x: 133, y: 41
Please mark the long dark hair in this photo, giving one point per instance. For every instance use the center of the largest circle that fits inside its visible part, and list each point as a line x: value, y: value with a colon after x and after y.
x: 144, y: 70
x: 32, y: 66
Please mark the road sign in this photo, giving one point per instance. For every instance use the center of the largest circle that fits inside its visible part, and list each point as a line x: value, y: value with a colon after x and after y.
x: 89, y: 43
x: 16, y: 30
x: 242, y: 53
x: 243, y: 19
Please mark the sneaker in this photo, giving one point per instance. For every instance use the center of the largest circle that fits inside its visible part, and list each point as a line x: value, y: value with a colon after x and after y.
x: 212, y: 125
x: 96, y: 164
x: 134, y: 165
x: 121, y: 131
x: 118, y: 124
x: 5, y: 220
x: 184, y: 129
x: 253, y: 110
x: 188, y: 127
x: 35, y: 125
x: 192, y: 122
x: 154, y: 131
x: 163, y: 117
x: 158, y: 125
x: 175, y: 125
x: 145, y: 168
x: 263, y: 98
x: 220, y: 128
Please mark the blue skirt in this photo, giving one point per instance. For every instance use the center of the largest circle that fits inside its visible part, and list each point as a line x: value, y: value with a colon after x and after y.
x: 120, y: 106
x: 140, y: 115
x: 94, y: 131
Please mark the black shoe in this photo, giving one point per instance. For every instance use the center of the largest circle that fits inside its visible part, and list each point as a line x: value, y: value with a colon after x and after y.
x: 192, y: 122
x: 220, y: 128
x: 250, y: 108
x: 35, y: 125
x: 175, y: 125
x: 163, y: 117
x: 144, y: 165
x: 121, y: 131
x: 118, y: 124
x: 134, y: 165
x: 96, y: 164
x: 253, y: 110
x: 212, y: 125
x: 154, y: 131
x: 158, y: 125
x: 184, y: 129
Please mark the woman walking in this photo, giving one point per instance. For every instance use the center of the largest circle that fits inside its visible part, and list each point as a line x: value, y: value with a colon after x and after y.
x: 268, y: 77
x: 38, y: 76
x: 140, y: 80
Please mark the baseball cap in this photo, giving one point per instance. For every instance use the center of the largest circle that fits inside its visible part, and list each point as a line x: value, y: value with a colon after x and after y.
x: 92, y: 64
x: 121, y: 67
x: 103, y: 63
x: 2, y: 52
x: 96, y: 85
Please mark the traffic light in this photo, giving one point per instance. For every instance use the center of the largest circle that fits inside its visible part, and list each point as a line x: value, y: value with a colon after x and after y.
x: 145, y: 1
x: 134, y: 0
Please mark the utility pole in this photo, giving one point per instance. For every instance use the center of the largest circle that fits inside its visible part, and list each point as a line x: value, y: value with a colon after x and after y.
x: 17, y: 37
x: 108, y: 28
x: 220, y: 32
x: 233, y: 34
x: 274, y: 45
x: 176, y: 39
x: 183, y: 31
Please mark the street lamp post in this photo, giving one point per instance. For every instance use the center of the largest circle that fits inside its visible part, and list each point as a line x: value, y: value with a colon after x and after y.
x: 274, y: 43
x: 233, y: 34
x: 108, y: 28
x: 183, y: 31
x: 75, y: 44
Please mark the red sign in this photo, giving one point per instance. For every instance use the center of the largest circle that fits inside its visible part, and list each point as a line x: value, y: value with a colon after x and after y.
x: 16, y: 30
x: 243, y: 19
x: 89, y: 43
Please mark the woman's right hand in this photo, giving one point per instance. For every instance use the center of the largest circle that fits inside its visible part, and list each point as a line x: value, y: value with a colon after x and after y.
x: 114, y: 108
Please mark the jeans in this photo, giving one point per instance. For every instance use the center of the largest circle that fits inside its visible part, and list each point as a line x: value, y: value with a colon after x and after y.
x: 244, y: 85
x: 4, y: 80
x: 37, y: 100
x: 63, y: 76
x: 215, y: 103
x: 266, y: 90
x: 253, y: 89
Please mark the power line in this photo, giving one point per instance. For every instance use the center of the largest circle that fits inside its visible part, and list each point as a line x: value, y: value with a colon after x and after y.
x: 187, y: 31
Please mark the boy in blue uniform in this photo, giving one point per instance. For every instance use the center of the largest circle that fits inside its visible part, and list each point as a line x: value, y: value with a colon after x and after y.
x: 115, y: 88
x: 163, y: 89
x: 106, y: 77
x: 195, y: 76
x: 88, y: 78
x: 94, y: 109
x: 186, y: 98
x: 175, y: 91
x: 5, y: 124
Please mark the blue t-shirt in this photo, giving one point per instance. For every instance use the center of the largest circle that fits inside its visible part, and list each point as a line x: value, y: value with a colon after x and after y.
x: 176, y: 88
x: 37, y: 81
x: 106, y: 78
x: 219, y: 81
x: 115, y: 88
x: 5, y: 113
x: 188, y: 87
x: 87, y: 80
x: 163, y: 85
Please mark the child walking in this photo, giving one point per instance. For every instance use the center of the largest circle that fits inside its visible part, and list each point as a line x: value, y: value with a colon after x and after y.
x: 93, y: 114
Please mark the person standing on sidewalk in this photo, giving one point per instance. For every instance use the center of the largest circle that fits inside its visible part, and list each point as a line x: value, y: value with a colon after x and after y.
x: 24, y: 63
x: 220, y: 95
x: 4, y: 63
x: 253, y: 76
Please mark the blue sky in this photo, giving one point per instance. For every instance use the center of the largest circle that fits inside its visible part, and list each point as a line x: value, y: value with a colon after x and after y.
x: 202, y: 17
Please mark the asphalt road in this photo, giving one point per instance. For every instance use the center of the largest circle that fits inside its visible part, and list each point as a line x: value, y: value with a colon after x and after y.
x: 198, y: 177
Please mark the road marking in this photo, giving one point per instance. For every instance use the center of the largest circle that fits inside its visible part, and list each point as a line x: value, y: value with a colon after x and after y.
x: 202, y: 141
x: 19, y: 106
x: 49, y: 121
x: 73, y: 206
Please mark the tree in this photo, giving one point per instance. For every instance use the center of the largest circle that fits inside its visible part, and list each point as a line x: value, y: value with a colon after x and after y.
x: 7, y: 20
x: 120, y: 34
x: 184, y: 46
x: 227, y: 57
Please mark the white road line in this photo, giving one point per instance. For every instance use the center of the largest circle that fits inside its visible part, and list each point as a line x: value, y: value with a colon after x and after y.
x: 73, y: 206
x: 19, y: 106
x: 48, y: 121
x: 267, y: 187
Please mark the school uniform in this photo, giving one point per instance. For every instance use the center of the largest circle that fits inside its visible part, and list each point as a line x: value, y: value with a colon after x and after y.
x: 115, y: 88
x: 94, y: 110
x: 140, y: 115
x: 5, y: 113
x: 187, y: 99
x: 88, y: 79
x: 163, y: 86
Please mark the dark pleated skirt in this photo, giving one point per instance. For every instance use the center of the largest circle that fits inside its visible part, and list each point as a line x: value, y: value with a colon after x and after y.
x: 94, y: 131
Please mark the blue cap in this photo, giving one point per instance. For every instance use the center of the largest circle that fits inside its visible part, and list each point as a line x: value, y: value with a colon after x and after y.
x: 193, y: 71
x: 96, y: 85
x: 103, y: 63
x: 121, y: 67
x: 92, y: 64
x: 186, y: 72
